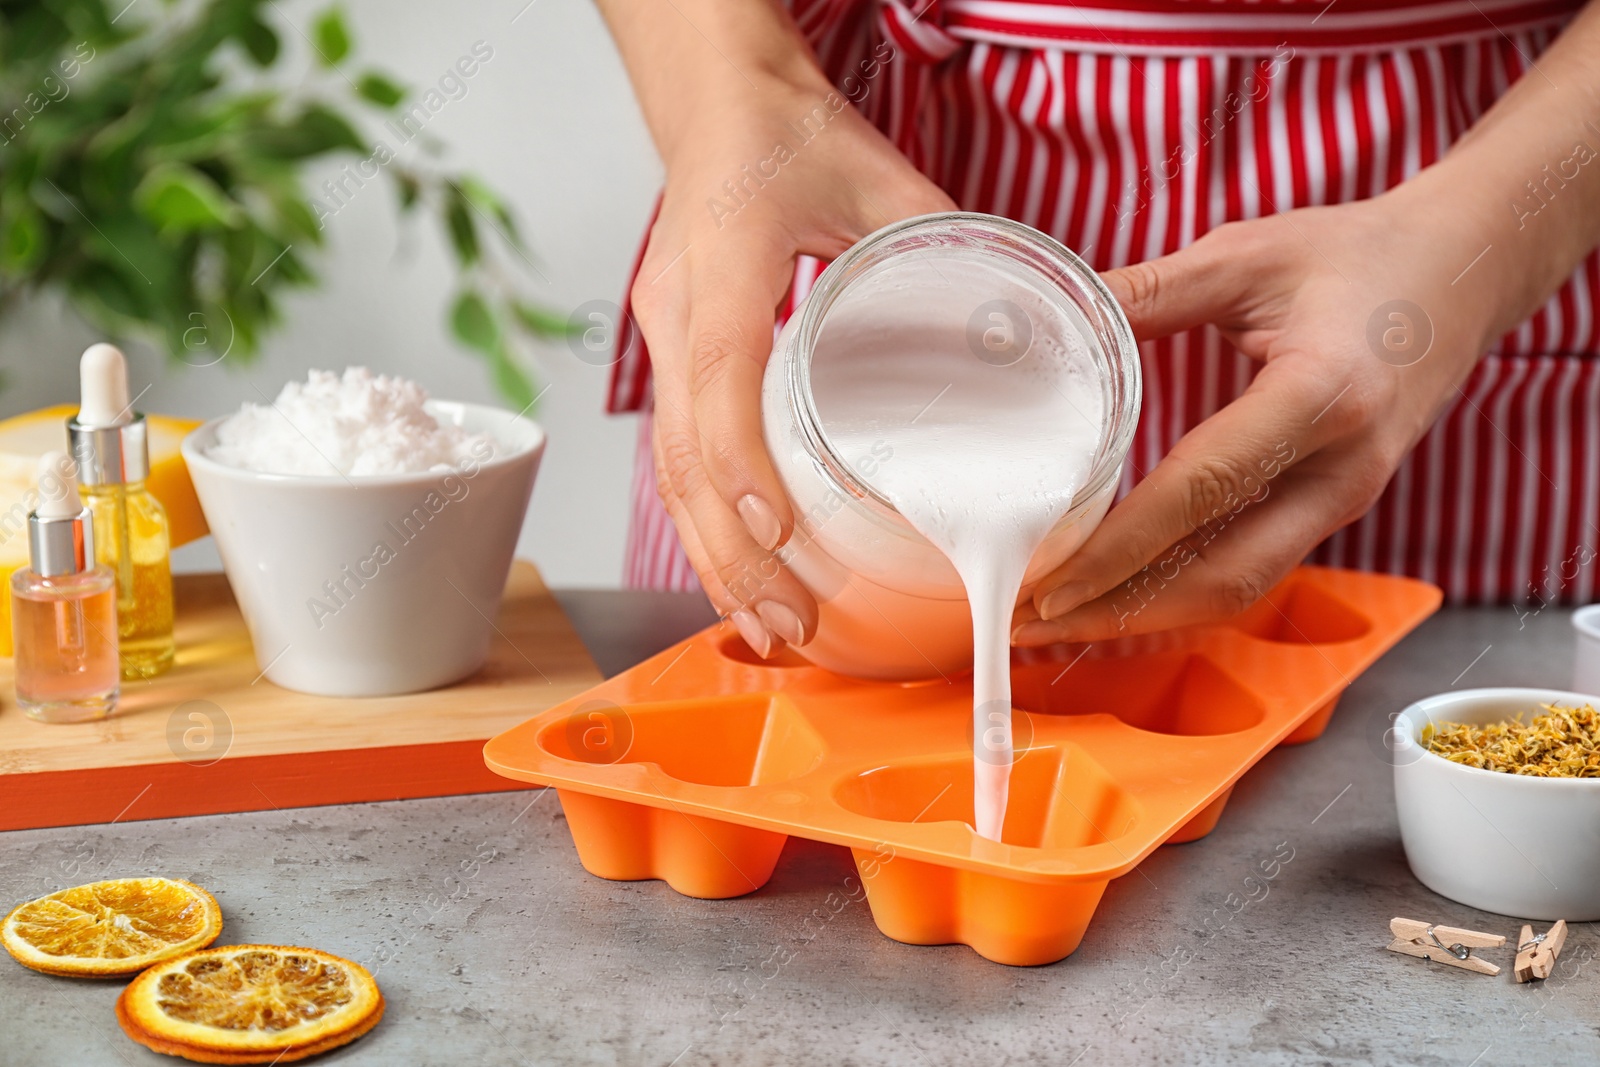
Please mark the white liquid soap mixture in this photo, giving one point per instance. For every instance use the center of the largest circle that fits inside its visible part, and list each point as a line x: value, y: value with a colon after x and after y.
x: 993, y: 405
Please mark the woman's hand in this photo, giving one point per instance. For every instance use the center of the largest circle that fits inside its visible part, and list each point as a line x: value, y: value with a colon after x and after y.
x: 754, y: 179
x: 1364, y: 339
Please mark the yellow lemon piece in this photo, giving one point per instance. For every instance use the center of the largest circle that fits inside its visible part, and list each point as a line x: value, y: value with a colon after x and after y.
x: 108, y: 928
x: 250, y: 1004
x: 24, y: 438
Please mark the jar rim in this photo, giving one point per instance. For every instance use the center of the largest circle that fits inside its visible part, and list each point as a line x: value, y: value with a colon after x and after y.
x: 1117, y: 352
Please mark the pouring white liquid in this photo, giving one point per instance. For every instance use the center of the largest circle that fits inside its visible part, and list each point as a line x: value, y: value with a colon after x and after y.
x: 993, y: 419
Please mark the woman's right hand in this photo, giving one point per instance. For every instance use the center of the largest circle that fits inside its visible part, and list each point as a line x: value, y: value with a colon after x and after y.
x: 755, y: 178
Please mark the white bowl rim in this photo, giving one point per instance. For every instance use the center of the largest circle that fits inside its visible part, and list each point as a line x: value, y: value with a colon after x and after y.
x: 1533, y: 697
x: 193, y: 455
x: 1586, y: 620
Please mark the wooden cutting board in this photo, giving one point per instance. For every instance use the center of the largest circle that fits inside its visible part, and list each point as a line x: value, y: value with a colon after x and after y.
x: 213, y: 736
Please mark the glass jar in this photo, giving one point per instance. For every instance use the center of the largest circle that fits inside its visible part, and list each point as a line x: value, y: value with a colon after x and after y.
x: 891, y: 604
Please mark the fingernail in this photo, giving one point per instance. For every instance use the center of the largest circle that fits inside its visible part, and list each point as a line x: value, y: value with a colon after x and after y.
x: 782, y: 620
x: 1064, y: 599
x: 755, y: 635
x: 760, y: 520
x: 1036, y: 632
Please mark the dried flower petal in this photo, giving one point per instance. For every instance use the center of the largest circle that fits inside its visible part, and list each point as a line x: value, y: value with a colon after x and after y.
x: 1561, y: 743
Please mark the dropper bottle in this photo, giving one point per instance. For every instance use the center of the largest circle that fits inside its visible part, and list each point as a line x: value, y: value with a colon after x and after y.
x: 110, y: 444
x: 64, y: 609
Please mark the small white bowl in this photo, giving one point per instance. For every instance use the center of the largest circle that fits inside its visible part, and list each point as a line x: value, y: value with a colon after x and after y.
x: 1586, y: 654
x: 1505, y: 843
x: 332, y: 613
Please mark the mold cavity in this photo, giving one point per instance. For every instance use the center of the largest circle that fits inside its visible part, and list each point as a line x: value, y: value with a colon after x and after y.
x: 1301, y: 612
x: 1060, y: 798
x: 731, y: 741
x: 1181, y: 693
x: 733, y: 647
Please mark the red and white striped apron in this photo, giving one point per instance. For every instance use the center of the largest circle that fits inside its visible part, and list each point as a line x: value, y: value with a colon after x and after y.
x: 1128, y: 128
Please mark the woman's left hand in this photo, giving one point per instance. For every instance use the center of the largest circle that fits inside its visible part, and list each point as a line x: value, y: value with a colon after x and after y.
x: 1366, y: 318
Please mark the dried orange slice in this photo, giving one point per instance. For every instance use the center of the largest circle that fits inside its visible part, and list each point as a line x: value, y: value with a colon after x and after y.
x: 111, y: 928
x: 250, y: 1004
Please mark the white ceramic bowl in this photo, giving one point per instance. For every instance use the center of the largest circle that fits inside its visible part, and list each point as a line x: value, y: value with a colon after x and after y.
x: 1505, y: 843
x: 1586, y: 653
x: 367, y: 586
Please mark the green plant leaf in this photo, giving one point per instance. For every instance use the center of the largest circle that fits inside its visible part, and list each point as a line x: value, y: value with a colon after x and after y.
x: 191, y: 138
x: 315, y: 131
x: 109, y: 298
x: 463, y: 231
x: 288, y: 266
x: 543, y: 322
x: 245, y: 322
x: 180, y: 199
x: 487, y: 201
x: 297, y: 218
x: 259, y: 40
x: 473, y: 323
x: 410, y: 190
x: 128, y: 243
x: 332, y: 36
x: 23, y: 243
x: 510, y: 379
x: 379, y: 90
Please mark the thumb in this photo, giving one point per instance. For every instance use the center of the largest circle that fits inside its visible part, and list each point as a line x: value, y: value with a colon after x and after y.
x: 897, y: 191
x: 1189, y: 288
x: 917, y: 196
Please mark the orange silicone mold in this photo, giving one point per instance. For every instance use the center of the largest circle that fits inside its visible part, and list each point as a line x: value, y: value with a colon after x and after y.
x: 695, y: 766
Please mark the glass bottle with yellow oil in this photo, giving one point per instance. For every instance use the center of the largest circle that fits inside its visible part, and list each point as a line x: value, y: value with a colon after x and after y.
x: 111, y: 447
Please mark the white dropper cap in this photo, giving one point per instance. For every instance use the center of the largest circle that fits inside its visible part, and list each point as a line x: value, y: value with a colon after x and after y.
x: 60, y: 535
x: 103, y: 382
x: 58, y: 488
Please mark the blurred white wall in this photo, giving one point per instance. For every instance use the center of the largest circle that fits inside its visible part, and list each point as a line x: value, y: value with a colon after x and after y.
x: 549, y: 121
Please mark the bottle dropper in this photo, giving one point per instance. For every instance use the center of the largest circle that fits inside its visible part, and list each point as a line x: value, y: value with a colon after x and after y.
x: 103, y: 381
x: 111, y: 445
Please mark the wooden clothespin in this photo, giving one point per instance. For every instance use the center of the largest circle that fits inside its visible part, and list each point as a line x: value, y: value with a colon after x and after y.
x: 1449, y: 945
x: 1536, y: 953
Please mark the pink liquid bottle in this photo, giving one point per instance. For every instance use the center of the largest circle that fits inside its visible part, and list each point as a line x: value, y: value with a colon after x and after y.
x: 64, y: 609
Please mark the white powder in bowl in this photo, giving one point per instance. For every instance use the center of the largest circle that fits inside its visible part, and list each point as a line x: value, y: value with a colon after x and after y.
x: 354, y: 424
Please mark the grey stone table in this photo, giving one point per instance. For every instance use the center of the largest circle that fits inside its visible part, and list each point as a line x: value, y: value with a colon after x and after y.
x: 493, y: 946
